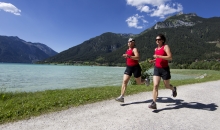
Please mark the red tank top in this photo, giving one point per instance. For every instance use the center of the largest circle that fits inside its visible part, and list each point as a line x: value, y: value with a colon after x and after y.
x: 129, y: 61
x: 161, y: 63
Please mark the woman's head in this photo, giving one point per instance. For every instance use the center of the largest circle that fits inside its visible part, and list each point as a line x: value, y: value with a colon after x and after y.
x: 161, y: 38
x: 131, y: 42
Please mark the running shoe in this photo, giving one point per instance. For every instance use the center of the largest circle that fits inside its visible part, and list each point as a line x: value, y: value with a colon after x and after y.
x: 153, y: 105
x: 174, y: 92
x: 147, y: 82
x: 120, y: 99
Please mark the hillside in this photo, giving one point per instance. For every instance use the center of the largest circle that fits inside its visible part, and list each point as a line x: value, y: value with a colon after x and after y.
x: 189, y: 36
x: 16, y: 50
x: 93, y: 50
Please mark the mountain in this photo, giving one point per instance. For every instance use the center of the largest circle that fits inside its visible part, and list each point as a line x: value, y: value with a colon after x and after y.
x: 189, y: 36
x: 178, y: 21
x: 16, y: 50
x: 93, y: 49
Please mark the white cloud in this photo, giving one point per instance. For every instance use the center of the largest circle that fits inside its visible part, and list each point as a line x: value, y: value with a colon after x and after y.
x: 164, y: 10
x: 144, y: 9
x: 154, y: 8
x: 135, y: 20
x: 8, y: 7
x: 146, y: 2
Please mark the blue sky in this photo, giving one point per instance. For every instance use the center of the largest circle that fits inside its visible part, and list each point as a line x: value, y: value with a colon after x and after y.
x: 62, y: 24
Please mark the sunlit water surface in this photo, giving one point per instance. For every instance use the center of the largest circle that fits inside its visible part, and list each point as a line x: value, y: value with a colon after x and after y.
x: 32, y: 77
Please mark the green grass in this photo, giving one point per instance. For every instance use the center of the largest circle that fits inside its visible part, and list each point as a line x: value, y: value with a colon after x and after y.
x: 23, y: 105
x: 211, y: 76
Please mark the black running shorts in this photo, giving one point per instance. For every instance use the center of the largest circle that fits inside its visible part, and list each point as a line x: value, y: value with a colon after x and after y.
x: 162, y: 72
x: 136, y: 70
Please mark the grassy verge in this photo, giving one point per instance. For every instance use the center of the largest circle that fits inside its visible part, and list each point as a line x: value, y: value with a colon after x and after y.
x: 22, y: 105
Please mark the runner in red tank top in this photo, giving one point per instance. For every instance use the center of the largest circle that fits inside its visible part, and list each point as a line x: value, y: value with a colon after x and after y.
x: 161, y: 63
x: 130, y: 61
x: 133, y: 67
x: 161, y: 68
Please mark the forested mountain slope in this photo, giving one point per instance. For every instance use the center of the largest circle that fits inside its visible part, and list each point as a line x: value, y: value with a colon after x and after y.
x: 189, y: 36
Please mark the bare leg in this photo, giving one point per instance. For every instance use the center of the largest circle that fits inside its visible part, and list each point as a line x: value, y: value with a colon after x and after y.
x: 156, y: 80
x: 167, y: 84
x: 139, y: 80
x: 124, y: 84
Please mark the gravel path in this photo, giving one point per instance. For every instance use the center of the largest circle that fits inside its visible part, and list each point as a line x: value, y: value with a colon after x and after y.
x: 194, y: 108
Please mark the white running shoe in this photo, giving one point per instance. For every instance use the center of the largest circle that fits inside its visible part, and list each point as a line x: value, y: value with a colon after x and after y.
x: 147, y: 82
x: 120, y: 99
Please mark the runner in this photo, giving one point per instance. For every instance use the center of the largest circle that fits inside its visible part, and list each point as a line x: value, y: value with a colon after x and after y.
x: 133, y: 67
x: 161, y: 68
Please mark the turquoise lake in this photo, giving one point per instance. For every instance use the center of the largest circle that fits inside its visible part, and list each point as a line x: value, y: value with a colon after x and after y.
x: 33, y: 77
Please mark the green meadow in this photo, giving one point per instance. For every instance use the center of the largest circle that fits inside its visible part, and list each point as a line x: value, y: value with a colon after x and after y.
x: 16, y: 106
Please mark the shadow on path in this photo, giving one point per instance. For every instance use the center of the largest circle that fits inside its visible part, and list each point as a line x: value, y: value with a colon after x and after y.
x: 140, y: 102
x: 177, y: 104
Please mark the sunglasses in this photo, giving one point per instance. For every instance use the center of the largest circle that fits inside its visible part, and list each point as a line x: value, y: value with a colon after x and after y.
x: 158, y: 39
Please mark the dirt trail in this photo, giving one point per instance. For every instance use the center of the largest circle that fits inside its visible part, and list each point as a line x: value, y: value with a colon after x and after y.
x: 194, y: 108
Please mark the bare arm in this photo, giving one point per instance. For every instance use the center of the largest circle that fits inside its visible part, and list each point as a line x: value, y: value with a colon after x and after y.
x: 152, y: 61
x: 136, y: 54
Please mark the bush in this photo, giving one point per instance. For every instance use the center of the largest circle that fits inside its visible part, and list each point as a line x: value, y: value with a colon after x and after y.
x: 145, y: 66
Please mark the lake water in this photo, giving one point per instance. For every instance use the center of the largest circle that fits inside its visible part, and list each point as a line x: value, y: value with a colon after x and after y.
x: 32, y: 77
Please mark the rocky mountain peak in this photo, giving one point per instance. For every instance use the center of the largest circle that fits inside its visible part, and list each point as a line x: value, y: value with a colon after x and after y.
x: 180, y: 13
x: 180, y: 19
